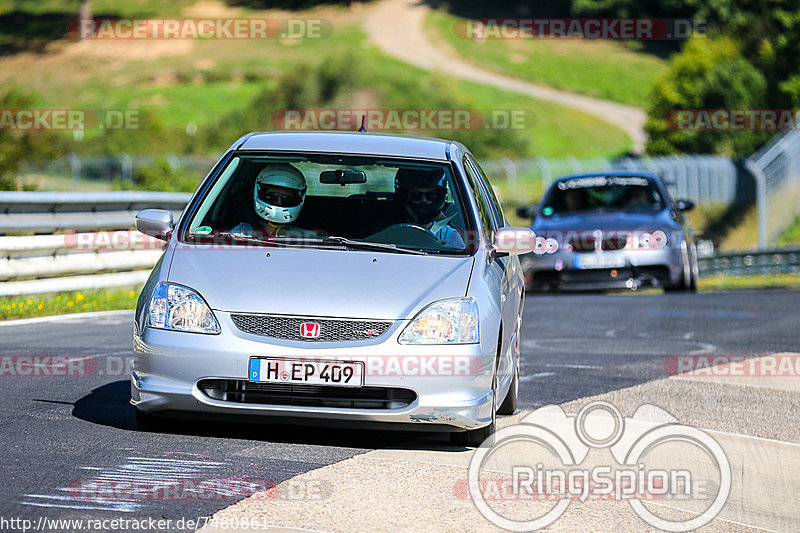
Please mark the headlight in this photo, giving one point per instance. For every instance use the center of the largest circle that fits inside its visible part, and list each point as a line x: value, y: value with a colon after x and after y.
x: 649, y: 241
x: 451, y: 321
x: 179, y: 308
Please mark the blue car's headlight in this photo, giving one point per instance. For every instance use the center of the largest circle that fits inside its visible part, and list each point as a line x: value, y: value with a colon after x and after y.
x: 450, y: 321
x: 179, y: 308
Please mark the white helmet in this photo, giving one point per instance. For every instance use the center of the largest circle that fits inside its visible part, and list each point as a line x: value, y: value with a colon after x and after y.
x: 274, y: 206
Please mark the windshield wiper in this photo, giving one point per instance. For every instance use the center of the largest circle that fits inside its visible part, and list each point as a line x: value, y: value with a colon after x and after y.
x: 235, y: 238
x: 365, y: 245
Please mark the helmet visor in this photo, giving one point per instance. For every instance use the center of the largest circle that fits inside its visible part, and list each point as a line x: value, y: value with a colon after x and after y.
x: 279, y: 196
x: 432, y: 195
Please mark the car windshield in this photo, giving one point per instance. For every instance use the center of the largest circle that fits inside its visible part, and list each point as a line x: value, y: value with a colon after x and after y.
x: 602, y: 193
x: 334, y: 201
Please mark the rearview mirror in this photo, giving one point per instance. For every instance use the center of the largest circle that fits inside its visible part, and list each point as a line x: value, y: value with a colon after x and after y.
x: 155, y: 222
x: 513, y: 241
x: 684, y: 205
x: 343, y: 177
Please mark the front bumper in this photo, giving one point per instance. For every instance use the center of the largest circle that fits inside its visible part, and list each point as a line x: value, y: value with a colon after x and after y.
x: 168, y: 366
x: 613, y: 269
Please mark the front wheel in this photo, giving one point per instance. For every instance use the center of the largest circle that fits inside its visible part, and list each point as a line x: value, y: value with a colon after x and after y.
x: 509, y: 405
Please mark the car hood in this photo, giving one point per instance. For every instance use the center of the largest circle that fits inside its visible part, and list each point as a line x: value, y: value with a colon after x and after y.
x: 314, y: 282
x: 612, y: 220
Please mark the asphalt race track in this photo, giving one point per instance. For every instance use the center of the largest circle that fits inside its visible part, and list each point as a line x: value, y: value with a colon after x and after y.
x: 61, y: 433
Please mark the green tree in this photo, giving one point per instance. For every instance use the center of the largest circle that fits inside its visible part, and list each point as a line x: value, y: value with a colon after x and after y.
x: 706, y: 74
x: 16, y: 146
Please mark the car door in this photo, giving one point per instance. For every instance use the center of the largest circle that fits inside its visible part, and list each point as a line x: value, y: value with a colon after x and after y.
x: 497, y: 272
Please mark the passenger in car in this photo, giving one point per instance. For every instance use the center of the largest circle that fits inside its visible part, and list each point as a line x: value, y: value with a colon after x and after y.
x: 278, y: 196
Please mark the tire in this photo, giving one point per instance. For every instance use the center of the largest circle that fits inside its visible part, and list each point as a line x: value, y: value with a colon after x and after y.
x: 688, y: 281
x: 473, y: 438
x: 509, y: 405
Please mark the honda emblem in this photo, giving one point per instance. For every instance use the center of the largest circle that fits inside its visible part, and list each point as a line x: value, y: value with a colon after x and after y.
x: 309, y: 330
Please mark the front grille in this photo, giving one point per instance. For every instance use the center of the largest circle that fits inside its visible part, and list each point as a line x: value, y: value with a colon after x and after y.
x: 602, y: 275
x: 283, y: 327
x: 587, y: 243
x: 242, y: 391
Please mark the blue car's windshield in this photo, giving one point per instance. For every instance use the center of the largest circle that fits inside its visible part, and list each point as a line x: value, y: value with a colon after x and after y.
x: 308, y: 198
x: 601, y: 193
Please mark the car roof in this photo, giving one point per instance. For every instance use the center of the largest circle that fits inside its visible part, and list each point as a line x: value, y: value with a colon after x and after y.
x: 349, y: 142
x: 633, y: 173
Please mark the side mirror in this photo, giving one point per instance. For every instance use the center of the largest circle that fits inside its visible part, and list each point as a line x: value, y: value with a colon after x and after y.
x: 513, y: 241
x: 684, y: 205
x: 155, y: 222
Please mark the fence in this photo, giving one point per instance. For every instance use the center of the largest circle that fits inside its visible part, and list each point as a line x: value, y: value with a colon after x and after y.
x: 776, y: 168
x: 702, y: 179
x: 77, y: 261
x: 766, y: 262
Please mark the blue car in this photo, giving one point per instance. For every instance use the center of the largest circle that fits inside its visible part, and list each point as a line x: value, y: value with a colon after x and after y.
x: 610, y: 230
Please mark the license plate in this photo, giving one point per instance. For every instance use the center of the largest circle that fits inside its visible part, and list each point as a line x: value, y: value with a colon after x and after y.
x: 306, y: 371
x: 583, y: 261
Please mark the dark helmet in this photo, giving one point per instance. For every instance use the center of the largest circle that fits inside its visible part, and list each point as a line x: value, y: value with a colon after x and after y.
x: 423, y: 206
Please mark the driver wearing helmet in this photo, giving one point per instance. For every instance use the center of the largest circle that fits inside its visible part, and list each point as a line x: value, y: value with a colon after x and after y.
x: 278, y: 196
x: 421, y: 196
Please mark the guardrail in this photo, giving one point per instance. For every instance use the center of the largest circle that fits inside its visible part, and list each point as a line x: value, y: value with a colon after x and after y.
x: 83, y: 258
x: 91, y: 259
x: 766, y: 262
x: 51, y: 212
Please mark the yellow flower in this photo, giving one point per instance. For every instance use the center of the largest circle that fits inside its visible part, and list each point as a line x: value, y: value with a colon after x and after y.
x: 84, y: 306
x: 13, y: 306
x: 70, y: 303
x: 40, y: 306
x: 2, y: 306
x: 29, y: 302
x: 22, y: 304
x: 131, y: 294
x: 58, y: 298
x: 79, y: 297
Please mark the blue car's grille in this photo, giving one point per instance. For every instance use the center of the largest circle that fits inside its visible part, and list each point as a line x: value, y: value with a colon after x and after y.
x: 292, y: 328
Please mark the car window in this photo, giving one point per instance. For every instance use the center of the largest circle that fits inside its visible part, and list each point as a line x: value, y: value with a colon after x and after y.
x: 602, y: 193
x: 408, y: 204
x: 484, y: 211
x: 497, y: 209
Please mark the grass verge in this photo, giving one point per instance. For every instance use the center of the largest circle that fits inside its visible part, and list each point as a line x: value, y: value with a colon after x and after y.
x: 605, y: 69
x: 15, y: 307
x: 727, y: 283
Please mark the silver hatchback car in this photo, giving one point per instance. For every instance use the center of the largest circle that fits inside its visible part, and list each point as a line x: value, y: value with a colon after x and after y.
x: 335, y: 277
